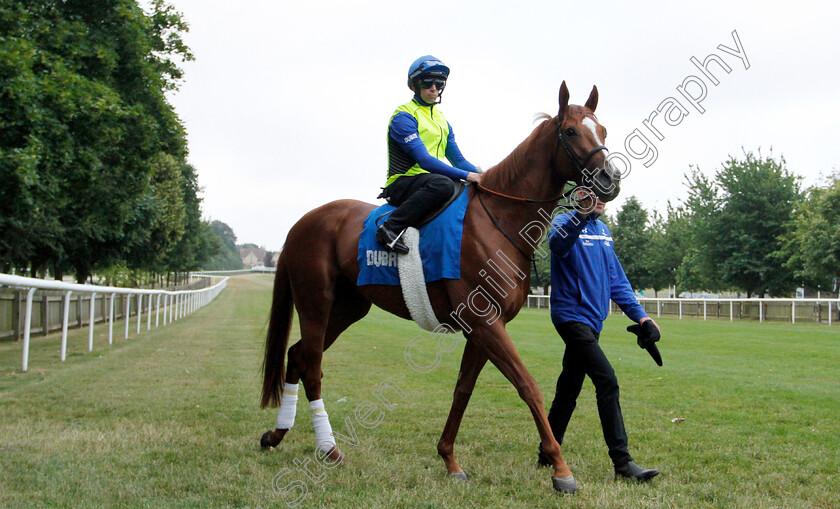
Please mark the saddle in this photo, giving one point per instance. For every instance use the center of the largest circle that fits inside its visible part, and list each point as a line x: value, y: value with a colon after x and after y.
x: 459, y: 188
x: 460, y: 185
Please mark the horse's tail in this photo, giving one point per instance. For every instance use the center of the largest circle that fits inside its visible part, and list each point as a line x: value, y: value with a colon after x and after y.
x: 277, y: 339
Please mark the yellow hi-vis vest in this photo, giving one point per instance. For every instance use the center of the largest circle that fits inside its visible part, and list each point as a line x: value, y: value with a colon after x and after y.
x: 433, y: 130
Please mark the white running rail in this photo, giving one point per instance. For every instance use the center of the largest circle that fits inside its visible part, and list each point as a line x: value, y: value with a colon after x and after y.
x: 176, y: 305
x: 785, y: 309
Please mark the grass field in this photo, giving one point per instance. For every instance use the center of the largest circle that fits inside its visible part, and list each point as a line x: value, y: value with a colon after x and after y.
x: 170, y: 418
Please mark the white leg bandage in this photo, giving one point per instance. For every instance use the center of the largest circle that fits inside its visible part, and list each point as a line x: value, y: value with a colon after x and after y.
x: 288, y: 407
x: 321, y: 422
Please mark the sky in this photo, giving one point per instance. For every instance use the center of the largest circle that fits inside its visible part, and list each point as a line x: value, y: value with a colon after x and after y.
x: 287, y: 103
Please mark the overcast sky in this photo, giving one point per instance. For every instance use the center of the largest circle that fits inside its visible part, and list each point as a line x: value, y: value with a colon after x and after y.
x: 287, y: 103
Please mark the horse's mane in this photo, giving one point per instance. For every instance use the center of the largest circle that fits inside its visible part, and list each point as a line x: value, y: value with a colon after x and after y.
x: 507, y: 171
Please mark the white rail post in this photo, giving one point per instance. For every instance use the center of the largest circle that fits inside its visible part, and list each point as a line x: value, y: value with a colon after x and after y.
x: 829, y: 312
x: 139, y: 311
x: 27, y: 327
x: 658, y: 308
x: 127, y: 310
x: 793, y: 311
x: 111, y: 320
x: 157, y: 311
x: 65, y: 317
x: 731, y: 314
x: 149, y: 315
x: 704, y: 310
x: 92, y: 319
x: 680, y: 309
x: 760, y: 311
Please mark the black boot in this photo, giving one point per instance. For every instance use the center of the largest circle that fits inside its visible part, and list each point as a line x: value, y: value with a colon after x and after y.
x: 392, y: 241
x: 633, y: 471
x: 542, y: 459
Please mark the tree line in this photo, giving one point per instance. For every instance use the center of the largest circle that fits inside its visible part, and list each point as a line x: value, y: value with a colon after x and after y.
x: 93, y: 170
x: 749, y: 228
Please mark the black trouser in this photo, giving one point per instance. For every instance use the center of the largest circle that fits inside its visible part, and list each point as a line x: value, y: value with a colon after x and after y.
x: 415, y: 196
x: 584, y: 357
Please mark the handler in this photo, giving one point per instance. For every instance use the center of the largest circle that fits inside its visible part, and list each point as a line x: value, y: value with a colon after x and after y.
x: 419, y: 139
x: 585, y: 275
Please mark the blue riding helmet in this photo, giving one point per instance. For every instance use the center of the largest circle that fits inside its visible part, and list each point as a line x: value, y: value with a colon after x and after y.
x: 427, y: 65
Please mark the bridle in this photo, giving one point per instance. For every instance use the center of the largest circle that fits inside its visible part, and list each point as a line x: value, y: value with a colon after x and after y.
x: 577, y: 163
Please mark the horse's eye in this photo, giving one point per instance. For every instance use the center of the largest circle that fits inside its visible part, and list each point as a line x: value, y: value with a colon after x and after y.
x: 570, y: 131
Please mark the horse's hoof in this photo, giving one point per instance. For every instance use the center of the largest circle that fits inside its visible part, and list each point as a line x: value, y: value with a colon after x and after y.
x: 459, y: 476
x: 265, y: 441
x: 335, y: 456
x: 564, y: 484
x: 272, y: 438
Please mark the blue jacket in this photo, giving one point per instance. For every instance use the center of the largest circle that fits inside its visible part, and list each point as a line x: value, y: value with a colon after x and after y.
x: 586, y: 274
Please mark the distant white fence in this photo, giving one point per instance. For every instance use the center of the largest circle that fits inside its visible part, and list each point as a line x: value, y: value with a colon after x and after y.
x: 235, y: 272
x: 175, y: 305
x: 810, y: 310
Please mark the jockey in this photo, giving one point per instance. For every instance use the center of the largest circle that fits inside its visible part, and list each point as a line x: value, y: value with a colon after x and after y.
x: 419, y: 139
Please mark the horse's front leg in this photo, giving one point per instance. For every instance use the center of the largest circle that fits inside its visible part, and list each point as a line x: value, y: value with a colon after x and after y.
x: 472, y: 362
x: 496, y: 345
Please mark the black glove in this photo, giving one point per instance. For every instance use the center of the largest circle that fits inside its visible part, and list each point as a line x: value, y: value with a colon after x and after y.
x: 648, y: 335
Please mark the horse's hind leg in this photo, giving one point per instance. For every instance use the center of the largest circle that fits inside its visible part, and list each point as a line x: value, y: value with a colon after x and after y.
x: 304, y: 361
x: 288, y: 402
x: 472, y: 363
x: 348, y: 306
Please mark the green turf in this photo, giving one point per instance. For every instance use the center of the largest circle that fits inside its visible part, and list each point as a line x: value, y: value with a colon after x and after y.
x: 170, y: 418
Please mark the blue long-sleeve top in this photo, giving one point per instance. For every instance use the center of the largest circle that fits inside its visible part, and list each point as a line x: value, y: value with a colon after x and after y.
x: 403, y: 130
x: 586, y: 273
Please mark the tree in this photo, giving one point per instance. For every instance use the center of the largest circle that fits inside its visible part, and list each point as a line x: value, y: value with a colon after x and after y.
x: 810, y: 246
x: 734, y: 226
x: 759, y: 195
x: 541, y: 268
x: 669, y: 242
x: 82, y: 116
x: 228, y: 256
x: 699, y: 269
x: 160, y: 219
x: 198, y: 245
x: 633, y: 243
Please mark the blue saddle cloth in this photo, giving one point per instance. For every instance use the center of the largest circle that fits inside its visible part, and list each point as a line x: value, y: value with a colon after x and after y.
x: 440, y: 247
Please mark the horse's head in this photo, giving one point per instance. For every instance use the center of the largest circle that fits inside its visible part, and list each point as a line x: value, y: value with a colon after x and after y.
x: 581, y: 143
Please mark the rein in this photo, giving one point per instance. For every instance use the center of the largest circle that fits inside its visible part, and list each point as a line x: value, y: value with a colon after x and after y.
x: 523, y: 200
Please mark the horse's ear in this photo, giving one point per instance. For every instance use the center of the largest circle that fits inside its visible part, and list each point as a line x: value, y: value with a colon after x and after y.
x: 564, y: 99
x: 592, y: 102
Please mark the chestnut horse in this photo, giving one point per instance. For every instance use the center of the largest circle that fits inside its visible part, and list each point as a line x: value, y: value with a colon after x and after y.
x: 317, y: 272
